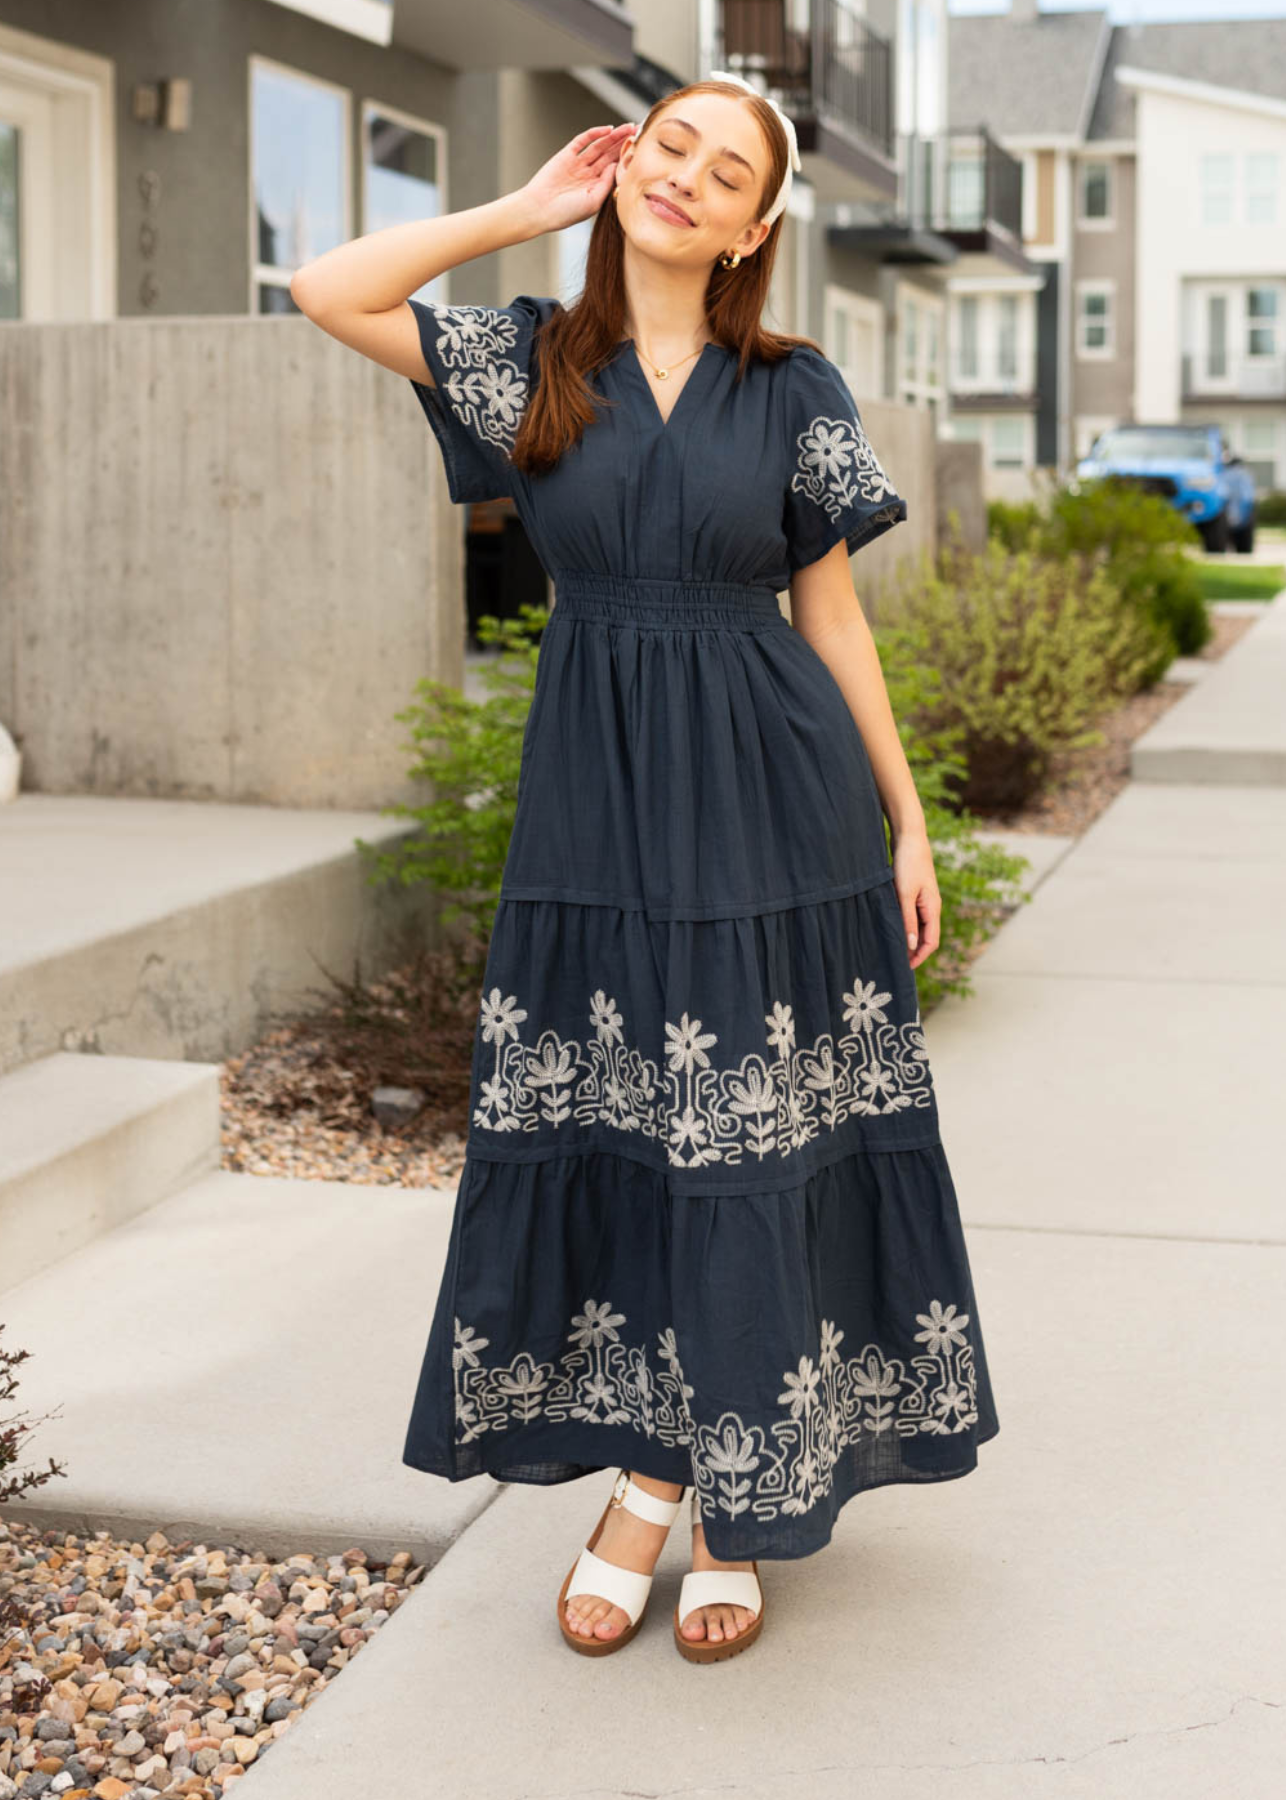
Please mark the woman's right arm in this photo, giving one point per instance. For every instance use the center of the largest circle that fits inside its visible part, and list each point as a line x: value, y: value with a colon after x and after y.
x: 358, y: 291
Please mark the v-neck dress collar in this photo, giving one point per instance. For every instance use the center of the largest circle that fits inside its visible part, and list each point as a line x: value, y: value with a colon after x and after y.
x: 695, y: 379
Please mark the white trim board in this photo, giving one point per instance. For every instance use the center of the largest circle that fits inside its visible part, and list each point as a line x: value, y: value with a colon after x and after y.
x: 1180, y: 87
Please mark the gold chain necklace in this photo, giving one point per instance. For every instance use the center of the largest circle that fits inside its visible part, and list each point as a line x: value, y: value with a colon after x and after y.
x: 664, y: 374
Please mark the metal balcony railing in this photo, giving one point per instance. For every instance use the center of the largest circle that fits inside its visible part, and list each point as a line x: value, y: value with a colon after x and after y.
x: 817, y: 57
x: 961, y: 181
x: 1220, y: 376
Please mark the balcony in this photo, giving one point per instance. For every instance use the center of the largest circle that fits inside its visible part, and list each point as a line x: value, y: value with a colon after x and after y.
x: 959, y: 201
x: 993, y: 375
x: 833, y: 74
x: 516, y: 34
x: 1215, y: 375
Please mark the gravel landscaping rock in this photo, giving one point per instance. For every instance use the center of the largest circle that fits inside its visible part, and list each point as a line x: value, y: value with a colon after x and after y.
x: 168, y: 1668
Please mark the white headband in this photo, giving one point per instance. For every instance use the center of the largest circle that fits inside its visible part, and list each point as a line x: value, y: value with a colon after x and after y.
x: 793, y: 163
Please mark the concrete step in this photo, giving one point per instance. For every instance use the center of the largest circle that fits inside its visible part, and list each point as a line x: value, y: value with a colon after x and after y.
x: 176, y: 928
x: 88, y: 1141
x: 239, y: 1361
x: 1231, y: 728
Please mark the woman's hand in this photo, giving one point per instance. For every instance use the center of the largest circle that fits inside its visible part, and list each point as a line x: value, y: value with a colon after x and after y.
x: 573, y: 184
x: 916, y: 885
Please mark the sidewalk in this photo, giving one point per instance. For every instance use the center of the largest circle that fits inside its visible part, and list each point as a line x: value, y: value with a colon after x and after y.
x: 1094, y: 1614
x: 1097, y: 1610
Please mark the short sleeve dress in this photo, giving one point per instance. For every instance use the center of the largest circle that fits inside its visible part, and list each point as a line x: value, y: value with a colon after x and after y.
x: 705, y: 1227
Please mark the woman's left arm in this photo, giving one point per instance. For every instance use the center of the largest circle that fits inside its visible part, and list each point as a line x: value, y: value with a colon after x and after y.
x: 826, y: 611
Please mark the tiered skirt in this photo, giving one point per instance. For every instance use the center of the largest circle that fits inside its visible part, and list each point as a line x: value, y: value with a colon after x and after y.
x: 706, y: 1227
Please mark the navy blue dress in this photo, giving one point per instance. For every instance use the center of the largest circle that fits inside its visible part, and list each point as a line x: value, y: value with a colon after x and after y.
x: 705, y: 1227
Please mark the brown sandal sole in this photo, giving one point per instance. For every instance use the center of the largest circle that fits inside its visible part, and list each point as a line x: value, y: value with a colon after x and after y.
x: 701, y: 1650
x: 592, y: 1646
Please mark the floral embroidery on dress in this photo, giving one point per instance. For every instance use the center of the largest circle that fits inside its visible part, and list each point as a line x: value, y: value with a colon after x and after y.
x: 836, y: 467
x: 487, y: 390
x: 764, y: 1106
x: 829, y: 1402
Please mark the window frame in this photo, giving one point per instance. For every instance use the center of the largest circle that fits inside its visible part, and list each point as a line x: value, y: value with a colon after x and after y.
x: 1105, y: 221
x: 1205, y: 189
x: 1273, y: 189
x: 263, y: 274
x: 1106, y: 351
x: 436, y: 291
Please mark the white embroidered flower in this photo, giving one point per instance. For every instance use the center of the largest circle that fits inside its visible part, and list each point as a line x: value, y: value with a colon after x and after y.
x: 486, y: 389
x: 836, y: 467
x: 698, y: 1113
x: 781, y: 1466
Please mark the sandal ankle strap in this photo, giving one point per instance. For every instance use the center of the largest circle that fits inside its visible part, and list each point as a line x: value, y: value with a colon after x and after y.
x: 635, y: 1499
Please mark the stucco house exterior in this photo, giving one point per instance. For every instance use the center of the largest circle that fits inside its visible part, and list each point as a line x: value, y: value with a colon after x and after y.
x: 1155, y: 157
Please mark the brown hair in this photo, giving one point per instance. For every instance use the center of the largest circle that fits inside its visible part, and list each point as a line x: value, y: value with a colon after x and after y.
x: 575, y: 341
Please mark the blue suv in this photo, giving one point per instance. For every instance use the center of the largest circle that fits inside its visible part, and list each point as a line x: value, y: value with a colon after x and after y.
x: 1189, y: 465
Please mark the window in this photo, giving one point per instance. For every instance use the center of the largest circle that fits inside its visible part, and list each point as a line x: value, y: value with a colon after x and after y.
x: 910, y: 341
x: 1261, y: 321
x: 921, y: 325
x: 966, y: 429
x: 1096, y: 193
x: 1259, y: 447
x: 1094, y: 329
x: 402, y: 173
x: 1216, y: 337
x: 853, y: 333
x: 1261, y: 188
x: 1008, y: 442
x: 967, y: 346
x: 1007, y: 338
x: 299, y: 138
x: 966, y: 190
x: 1218, y: 173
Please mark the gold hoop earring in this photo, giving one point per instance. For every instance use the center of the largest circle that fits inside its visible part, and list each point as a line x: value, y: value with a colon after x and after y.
x: 727, y: 261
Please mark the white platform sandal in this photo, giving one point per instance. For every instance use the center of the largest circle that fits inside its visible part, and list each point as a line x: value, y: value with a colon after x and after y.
x: 717, y: 1587
x: 626, y: 1588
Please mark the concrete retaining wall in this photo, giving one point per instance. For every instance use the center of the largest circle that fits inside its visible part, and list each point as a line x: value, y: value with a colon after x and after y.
x: 229, y: 554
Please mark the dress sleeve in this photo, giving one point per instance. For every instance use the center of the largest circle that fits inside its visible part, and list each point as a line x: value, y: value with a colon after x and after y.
x: 835, y: 487
x: 481, y: 361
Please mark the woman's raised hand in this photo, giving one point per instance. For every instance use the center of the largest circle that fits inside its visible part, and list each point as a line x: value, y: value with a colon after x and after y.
x: 574, y: 183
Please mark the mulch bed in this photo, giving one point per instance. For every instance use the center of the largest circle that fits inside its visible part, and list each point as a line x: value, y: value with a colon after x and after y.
x: 299, y: 1102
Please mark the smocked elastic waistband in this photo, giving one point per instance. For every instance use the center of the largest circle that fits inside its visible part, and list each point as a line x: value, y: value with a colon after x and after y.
x: 672, y: 605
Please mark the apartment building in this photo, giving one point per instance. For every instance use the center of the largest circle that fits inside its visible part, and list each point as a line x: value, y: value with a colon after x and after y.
x: 1012, y: 340
x: 1203, y: 108
x: 956, y: 211
x: 1154, y: 157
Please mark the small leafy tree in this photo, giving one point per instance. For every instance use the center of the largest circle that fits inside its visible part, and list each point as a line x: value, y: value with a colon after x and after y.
x: 1030, y: 651
x: 970, y: 872
x: 1141, y: 540
x: 470, y: 753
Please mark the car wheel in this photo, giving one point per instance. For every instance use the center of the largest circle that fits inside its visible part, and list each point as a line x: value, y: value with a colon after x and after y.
x: 1215, y: 534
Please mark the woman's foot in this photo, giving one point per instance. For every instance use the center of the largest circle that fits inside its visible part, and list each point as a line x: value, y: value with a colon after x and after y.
x: 718, y: 1622
x: 631, y: 1543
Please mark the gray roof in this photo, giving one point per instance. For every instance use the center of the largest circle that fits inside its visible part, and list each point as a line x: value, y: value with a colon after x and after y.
x: 1249, y: 54
x: 1025, y: 77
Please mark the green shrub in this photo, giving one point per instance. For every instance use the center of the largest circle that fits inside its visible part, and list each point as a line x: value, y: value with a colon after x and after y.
x: 976, y: 880
x: 1144, y: 543
x: 470, y: 752
x: 1014, y: 522
x: 1270, y: 509
x: 1030, y: 649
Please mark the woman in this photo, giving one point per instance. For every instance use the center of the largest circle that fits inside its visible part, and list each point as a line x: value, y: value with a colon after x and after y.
x: 706, y: 1229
